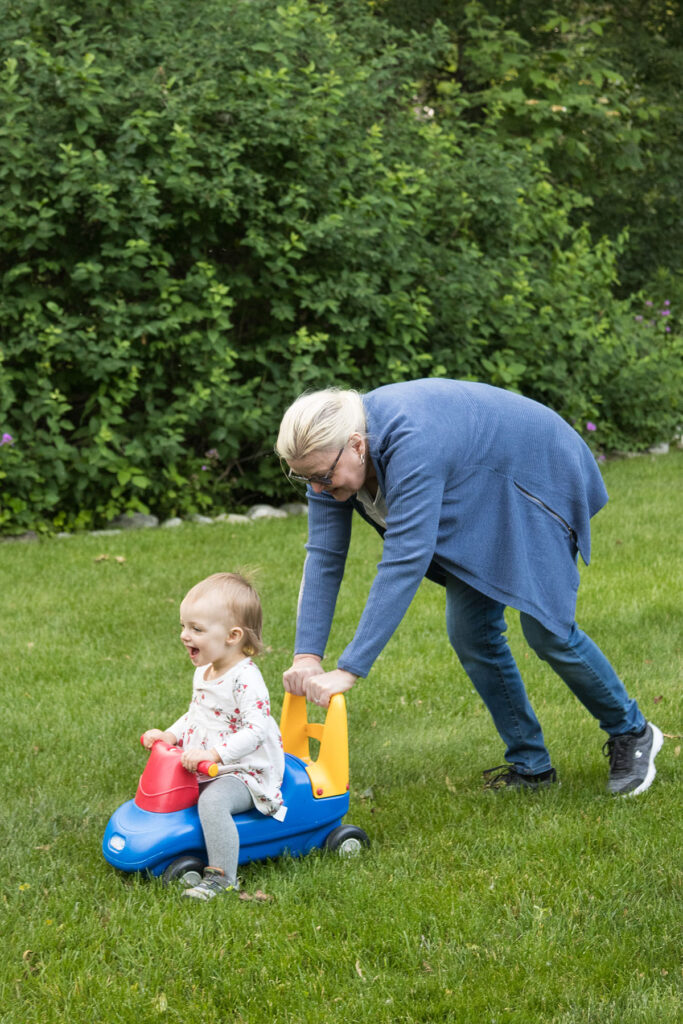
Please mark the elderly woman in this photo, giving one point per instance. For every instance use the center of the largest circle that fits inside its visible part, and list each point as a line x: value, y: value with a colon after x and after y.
x: 489, y: 494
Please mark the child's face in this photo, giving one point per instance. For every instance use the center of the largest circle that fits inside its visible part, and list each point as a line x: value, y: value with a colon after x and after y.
x: 209, y: 634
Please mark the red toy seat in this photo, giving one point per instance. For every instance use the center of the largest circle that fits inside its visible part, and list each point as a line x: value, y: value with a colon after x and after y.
x: 165, y: 785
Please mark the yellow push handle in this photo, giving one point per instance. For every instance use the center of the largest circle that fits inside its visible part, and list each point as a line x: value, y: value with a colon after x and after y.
x: 329, y: 773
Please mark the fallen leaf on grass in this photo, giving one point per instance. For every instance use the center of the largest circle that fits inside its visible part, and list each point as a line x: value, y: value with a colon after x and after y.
x: 359, y: 971
x: 260, y: 897
x: 658, y: 700
x: 28, y: 956
x: 673, y: 735
x: 449, y: 785
x: 120, y: 559
x: 161, y: 1003
x: 101, y: 558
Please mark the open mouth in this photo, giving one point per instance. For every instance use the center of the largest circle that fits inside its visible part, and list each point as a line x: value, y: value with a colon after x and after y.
x: 192, y: 651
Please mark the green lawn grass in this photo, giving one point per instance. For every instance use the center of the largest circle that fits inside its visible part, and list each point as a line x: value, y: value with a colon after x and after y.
x: 562, y: 906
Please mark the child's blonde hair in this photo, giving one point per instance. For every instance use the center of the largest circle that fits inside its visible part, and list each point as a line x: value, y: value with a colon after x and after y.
x: 320, y: 420
x: 240, y: 600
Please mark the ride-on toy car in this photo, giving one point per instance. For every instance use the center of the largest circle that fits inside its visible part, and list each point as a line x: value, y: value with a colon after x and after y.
x: 159, y: 831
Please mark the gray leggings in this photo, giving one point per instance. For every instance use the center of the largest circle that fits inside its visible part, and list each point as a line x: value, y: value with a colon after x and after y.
x: 218, y: 801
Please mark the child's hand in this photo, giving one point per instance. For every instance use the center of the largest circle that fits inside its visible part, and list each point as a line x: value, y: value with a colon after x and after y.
x: 193, y: 755
x: 151, y: 736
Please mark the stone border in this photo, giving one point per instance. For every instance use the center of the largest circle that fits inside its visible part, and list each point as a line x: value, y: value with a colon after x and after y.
x: 142, y: 521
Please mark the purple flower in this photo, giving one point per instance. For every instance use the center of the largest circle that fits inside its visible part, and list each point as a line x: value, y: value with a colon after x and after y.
x: 649, y: 303
x: 665, y: 312
x: 204, y: 469
x: 666, y: 302
x: 6, y: 439
x: 590, y: 426
x: 668, y: 330
x: 638, y: 319
x: 212, y: 453
x: 602, y: 458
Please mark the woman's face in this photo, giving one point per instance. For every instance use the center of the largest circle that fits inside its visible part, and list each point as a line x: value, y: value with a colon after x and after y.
x: 348, y: 475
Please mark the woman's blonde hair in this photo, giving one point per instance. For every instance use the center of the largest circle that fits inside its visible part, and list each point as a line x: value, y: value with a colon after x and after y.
x: 320, y: 420
x: 240, y: 602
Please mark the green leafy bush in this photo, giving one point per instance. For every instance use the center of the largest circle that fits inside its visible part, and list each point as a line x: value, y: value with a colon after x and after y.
x: 186, y: 243
x: 596, y: 87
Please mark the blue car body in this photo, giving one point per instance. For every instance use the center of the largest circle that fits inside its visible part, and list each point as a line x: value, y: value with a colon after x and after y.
x: 139, y: 840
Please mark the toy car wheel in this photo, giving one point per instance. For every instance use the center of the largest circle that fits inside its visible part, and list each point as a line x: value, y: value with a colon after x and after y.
x: 186, y: 870
x: 347, y: 840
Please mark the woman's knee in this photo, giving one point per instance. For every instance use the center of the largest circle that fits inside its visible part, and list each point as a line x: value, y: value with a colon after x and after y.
x: 540, y: 639
x: 474, y: 622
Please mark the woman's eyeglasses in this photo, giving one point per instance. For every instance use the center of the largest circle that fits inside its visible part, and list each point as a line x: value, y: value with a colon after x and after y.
x: 324, y: 479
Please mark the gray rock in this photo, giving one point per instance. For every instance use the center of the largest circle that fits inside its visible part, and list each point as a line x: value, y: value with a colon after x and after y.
x: 266, y: 512
x: 659, y: 449
x: 104, y: 533
x: 295, y: 508
x: 135, y: 521
x: 29, y: 535
x: 202, y: 520
x: 232, y: 517
x: 169, y: 524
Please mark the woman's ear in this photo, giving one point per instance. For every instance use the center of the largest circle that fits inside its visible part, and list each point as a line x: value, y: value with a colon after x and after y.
x: 357, y: 442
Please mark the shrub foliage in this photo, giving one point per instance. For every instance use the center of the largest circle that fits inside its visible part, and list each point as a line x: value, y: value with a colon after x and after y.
x: 208, y: 208
x: 596, y: 85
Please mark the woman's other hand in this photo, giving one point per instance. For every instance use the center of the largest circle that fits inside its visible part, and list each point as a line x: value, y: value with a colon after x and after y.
x: 321, y: 687
x: 303, y: 667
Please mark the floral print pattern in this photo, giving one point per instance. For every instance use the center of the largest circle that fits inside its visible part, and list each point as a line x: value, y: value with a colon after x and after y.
x: 232, y: 715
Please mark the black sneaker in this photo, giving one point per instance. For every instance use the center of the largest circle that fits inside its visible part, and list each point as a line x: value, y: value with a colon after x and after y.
x: 632, y: 760
x: 509, y: 778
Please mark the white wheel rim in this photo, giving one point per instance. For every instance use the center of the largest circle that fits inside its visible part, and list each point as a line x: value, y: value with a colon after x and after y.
x: 350, y: 847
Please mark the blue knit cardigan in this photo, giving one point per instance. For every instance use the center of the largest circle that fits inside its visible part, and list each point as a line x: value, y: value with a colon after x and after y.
x: 479, y: 482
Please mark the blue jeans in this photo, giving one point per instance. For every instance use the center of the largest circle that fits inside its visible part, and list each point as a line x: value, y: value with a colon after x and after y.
x: 476, y: 629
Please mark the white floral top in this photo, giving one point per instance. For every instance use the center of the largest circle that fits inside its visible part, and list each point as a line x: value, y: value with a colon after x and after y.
x: 231, y: 714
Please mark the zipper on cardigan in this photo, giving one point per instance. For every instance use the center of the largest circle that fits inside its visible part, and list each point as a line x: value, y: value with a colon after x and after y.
x: 550, y: 511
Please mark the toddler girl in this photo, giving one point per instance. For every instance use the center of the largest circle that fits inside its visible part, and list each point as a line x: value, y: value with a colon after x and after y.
x: 228, y: 721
